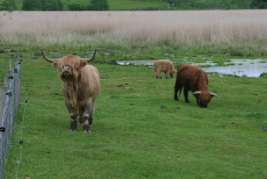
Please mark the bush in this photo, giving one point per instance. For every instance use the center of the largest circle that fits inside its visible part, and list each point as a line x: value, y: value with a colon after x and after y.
x: 76, y: 7
x: 31, y: 5
x: 99, y: 5
x: 46, y: 5
x: 259, y: 4
x: 55, y: 5
x: 9, y: 5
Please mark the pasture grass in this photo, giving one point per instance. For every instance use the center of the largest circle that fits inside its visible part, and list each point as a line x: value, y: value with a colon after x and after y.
x: 139, y: 131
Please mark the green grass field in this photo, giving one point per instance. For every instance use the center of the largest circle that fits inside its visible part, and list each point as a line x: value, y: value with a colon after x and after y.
x: 139, y: 131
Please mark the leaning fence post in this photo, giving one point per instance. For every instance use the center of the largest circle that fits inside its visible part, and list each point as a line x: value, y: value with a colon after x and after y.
x: 10, y: 104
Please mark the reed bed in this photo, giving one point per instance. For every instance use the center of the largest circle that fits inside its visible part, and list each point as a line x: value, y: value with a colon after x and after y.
x: 178, y: 27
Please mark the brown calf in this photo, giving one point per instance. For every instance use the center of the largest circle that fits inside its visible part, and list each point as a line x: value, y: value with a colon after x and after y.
x: 81, y: 86
x: 192, y: 78
x: 165, y: 66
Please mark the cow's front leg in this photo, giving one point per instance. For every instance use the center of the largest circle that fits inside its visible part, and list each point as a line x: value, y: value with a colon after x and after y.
x: 73, y: 121
x: 73, y: 116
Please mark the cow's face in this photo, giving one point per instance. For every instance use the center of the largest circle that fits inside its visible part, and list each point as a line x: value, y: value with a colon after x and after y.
x: 66, y: 72
x: 70, y: 66
x: 203, y: 98
x: 173, y: 71
x: 69, y: 70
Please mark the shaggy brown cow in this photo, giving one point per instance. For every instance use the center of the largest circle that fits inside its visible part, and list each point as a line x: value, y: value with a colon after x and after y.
x: 165, y: 66
x: 192, y: 78
x: 81, y: 86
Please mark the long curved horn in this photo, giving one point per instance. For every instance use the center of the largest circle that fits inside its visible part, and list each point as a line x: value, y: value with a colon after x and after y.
x: 45, y: 57
x: 213, y: 94
x: 197, y: 92
x: 91, y: 59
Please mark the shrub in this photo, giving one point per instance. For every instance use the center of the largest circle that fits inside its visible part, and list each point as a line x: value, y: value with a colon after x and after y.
x: 98, y: 5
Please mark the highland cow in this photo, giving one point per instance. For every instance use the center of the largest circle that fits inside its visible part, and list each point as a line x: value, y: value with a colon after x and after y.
x: 165, y: 66
x: 192, y: 78
x: 81, y: 87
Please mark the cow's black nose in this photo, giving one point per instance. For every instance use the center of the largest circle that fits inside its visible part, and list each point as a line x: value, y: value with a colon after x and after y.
x: 66, y: 75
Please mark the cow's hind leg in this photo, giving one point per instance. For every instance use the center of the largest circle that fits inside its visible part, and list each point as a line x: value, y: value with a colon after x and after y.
x: 92, y: 111
x: 86, y: 123
x: 88, y: 116
x: 186, y: 95
x: 177, y: 89
x: 167, y: 75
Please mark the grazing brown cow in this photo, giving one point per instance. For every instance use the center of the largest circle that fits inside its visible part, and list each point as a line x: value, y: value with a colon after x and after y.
x: 165, y: 66
x: 81, y: 86
x: 192, y: 78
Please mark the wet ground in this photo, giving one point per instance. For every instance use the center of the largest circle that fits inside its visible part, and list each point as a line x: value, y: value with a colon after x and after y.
x: 135, y: 62
x: 254, y: 68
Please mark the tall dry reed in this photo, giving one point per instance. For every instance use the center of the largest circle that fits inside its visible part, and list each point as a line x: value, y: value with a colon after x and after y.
x: 215, y: 26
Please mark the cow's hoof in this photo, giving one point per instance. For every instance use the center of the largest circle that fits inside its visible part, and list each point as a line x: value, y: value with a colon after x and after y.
x: 86, y: 127
x: 73, y: 125
x: 72, y: 131
x: 88, y: 132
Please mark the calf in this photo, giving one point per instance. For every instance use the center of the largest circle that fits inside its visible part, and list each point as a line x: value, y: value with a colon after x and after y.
x: 192, y: 78
x: 81, y: 87
x: 165, y: 66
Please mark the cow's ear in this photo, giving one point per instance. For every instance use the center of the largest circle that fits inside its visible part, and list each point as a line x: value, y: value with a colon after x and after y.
x: 82, y: 64
x: 55, y: 64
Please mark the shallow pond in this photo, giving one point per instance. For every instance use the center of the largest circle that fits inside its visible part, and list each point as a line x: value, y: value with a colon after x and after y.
x: 136, y: 62
x: 237, y: 67
x: 240, y: 67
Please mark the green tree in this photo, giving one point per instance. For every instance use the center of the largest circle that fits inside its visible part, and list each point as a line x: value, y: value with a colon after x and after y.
x: 259, y: 4
x: 51, y: 5
x: 172, y: 3
x: 9, y: 5
x: 98, y: 5
x: 76, y: 6
x: 31, y: 5
x: 46, y: 5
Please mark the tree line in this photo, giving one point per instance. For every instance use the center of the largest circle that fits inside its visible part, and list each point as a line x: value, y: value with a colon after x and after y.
x: 57, y: 5
x: 53, y: 5
x: 217, y: 4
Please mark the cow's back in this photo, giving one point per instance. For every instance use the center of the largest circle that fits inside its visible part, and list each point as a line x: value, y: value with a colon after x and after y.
x: 190, y: 76
x: 90, y: 81
x: 164, y: 65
